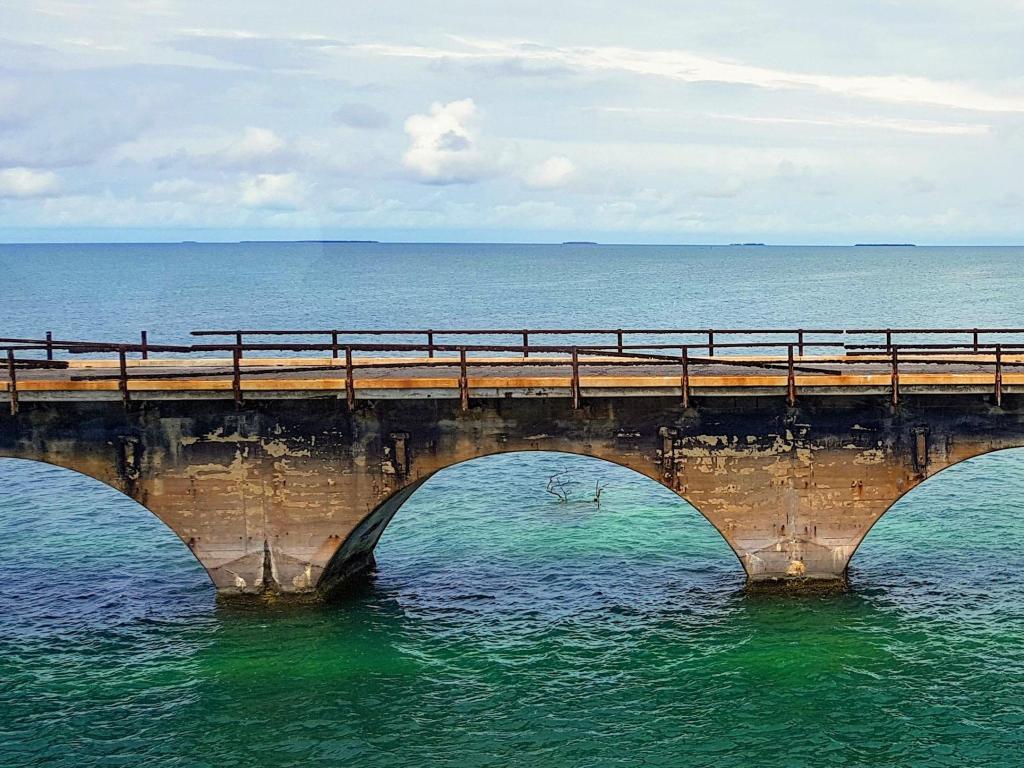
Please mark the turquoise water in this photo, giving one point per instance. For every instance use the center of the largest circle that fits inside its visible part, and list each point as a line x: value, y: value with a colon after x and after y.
x: 502, y: 627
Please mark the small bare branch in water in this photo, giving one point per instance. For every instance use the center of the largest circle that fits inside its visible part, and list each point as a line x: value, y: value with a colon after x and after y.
x: 598, y: 487
x: 558, y: 485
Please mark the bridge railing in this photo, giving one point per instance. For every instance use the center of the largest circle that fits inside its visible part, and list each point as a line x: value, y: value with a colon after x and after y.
x: 525, y: 338
x: 973, y: 350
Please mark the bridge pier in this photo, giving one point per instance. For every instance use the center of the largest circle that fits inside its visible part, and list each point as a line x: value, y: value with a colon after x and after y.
x: 291, y: 495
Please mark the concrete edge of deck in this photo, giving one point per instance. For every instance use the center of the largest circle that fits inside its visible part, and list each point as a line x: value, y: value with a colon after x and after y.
x: 478, y: 390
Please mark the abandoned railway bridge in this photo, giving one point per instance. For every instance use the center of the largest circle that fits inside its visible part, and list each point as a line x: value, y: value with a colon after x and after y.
x: 279, y: 457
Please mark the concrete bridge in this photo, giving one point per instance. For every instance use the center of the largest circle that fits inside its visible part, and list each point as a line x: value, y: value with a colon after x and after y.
x: 280, y: 473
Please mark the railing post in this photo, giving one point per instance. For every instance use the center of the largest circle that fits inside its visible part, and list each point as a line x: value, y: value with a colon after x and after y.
x: 430, y: 343
x: 790, y: 379
x: 14, y: 382
x: 463, y: 380
x: 999, y: 374
x: 144, y: 336
x: 238, y: 342
x: 350, y: 384
x: 49, y: 345
x: 526, y: 343
x: 575, y: 382
x: 975, y: 339
x: 236, y: 375
x: 618, y: 338
x: 685, y: 383
x: 711, y: 343
x: 122, y: 381
x: 800, y: 341
x: 888, y: 340
x: 334, y: 345
x: 895, y: 376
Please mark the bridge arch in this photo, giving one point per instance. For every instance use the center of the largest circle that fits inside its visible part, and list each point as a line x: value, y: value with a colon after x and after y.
x: 929, y: 483
x: 79, y: 480
x: 356, y: 552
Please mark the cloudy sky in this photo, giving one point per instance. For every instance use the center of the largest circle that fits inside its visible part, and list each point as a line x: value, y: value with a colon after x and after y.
x: 787, y: 122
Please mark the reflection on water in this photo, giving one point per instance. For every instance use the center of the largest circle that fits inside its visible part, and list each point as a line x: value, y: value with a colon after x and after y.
x: 501, y: 626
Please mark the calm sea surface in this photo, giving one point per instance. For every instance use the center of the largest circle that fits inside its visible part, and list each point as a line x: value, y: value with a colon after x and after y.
x: 503, y: 628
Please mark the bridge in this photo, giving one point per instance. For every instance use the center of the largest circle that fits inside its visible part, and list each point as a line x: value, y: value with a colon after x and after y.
x: 280, y: 456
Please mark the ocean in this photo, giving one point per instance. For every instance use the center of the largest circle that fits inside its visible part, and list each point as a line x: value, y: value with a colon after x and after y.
x: 502, y: 628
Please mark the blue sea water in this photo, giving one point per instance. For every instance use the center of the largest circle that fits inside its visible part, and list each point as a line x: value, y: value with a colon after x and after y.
x: 501, y: 627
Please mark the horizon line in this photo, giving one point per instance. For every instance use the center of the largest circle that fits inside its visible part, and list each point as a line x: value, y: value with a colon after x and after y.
x: 331, y: 241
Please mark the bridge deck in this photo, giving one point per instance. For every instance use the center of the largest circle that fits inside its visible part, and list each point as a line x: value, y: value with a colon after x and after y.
x: 399, y: 377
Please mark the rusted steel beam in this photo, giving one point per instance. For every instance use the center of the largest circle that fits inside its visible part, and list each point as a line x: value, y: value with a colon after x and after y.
x: 463, y: 381
x: 350, y: 384
x: 790, y: 379
x: 122, y: 378
x: 575, y: 382
x: 929, y: 349
x: 13, y: 376
x: 895, y: 376
x: 236, y: 375
x: 101, y: 345
x: 864, y: 331
x: 999, y: 376
x: 685, y: 379
x: 514, y: 331
x: 49, y: 365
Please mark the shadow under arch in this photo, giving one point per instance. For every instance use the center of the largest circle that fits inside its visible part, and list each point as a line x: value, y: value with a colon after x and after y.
x: 92, y: 479
x: 355, y: 554
x: 975, y: 459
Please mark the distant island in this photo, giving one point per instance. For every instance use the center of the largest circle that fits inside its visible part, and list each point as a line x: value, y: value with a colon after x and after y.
x: 362, y: 242
x: 747, y: 244
x: 579, y: 242
x: 885, y: 245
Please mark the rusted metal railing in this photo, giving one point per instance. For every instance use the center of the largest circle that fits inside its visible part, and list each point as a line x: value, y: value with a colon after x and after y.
x: 975, y: 346
x: 12, y: 375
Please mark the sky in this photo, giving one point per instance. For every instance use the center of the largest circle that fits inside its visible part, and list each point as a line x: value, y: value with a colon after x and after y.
x: 518, y: 121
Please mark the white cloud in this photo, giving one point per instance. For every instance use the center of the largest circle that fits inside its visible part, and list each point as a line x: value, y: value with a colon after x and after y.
x: 24, y: 182
x: 445, y: 146
x: 273, y: 190
x: 907, y: 126
x: 253, y: 144
x: 690, y: 67
x: 254, y: 149
x: 552, y: 173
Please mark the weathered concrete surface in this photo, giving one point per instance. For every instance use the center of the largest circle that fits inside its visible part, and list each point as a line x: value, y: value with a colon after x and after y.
x: 292, y: 495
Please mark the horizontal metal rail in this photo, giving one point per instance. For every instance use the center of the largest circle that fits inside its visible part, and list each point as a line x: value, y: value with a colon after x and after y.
x: 512, y: 331
x: 974, y: 353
